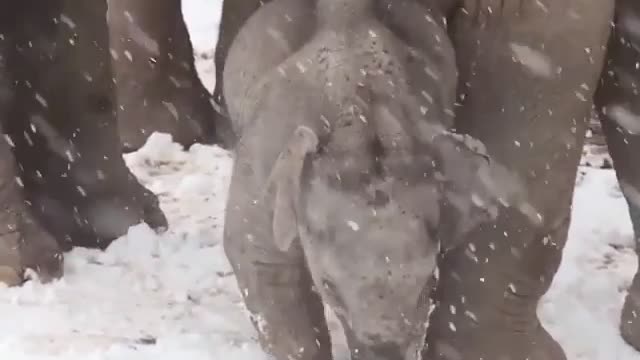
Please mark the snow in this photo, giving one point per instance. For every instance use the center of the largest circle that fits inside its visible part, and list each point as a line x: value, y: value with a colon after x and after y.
x: 582, y: 308
x: 173, y: 296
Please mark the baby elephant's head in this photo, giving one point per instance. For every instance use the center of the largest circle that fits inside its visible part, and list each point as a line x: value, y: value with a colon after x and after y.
x: 367, y: 225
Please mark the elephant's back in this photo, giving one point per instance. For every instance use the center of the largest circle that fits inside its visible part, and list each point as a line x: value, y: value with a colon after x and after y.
x: 271, y: 35
x: 402, y: 41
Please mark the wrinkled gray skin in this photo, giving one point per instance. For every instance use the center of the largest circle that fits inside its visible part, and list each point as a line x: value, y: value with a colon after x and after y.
x: 528, y: 73
x: 158, y: 88
x: 618, y: 104
x: 345, y: 171
x: 550, y: 54
x: 63, y: 181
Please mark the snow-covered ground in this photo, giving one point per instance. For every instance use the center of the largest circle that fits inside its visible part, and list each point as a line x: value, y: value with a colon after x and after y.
x: 174, y: 297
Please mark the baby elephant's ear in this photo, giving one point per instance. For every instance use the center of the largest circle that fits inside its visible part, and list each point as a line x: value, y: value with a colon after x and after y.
x: 286, y: 178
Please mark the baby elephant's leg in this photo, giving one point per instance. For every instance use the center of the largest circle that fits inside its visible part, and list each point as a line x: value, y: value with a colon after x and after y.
x: 276, y: 286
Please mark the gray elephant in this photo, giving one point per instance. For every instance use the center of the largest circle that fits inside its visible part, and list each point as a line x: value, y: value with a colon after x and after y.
x: 528, y: 74
x: 347, y: 176
x: 158, y: 88
x: 63, y: 180
x: 529, y: 70
x: 618, y: 104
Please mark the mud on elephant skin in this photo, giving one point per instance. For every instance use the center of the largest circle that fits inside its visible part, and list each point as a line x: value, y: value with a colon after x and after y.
x: 345, y: 170
x: 66, y: 140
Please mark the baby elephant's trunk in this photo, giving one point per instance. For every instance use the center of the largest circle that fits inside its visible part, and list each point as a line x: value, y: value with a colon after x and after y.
x: 342, y: 12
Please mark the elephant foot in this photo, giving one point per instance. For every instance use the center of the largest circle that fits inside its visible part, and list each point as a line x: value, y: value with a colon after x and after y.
x: 149, y: 205
x: 188, y: 116
x: 630, y: 317
x: 39, y: 249
x: 27, y: 246
x: 489, y: 342
x: 546, y: 347
x: 97, y: 219
x: 493, y: 318
x: 9, y: 276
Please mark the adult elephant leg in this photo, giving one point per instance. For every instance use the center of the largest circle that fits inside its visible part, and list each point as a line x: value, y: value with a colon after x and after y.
x: 618, y: 104
x: 158, y: 88
x: 234, y: 15
x: 63, y: 125
x: 24, y: 243
x: 286, y: 311
x: 528, y: 71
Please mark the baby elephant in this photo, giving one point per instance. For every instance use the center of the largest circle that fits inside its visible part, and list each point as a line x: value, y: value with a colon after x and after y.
x: 347, y: 184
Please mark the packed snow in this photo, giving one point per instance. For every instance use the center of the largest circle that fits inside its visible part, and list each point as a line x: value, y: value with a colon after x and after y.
x: 173, y: 296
